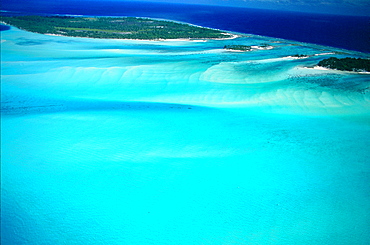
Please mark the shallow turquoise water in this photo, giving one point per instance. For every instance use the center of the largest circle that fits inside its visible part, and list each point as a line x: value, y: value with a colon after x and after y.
x: 142, y: 142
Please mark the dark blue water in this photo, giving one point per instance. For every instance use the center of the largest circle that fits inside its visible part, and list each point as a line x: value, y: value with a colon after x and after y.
x: 348, y: 32
x: 4, y: 28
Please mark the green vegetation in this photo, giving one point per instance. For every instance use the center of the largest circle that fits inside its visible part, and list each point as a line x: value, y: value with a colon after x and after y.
x: 106, y: 27
x: 238, y: 47
x: 346, y: 64
x: 265, y: 45
x: 245, y: 48
x: 300, y: 55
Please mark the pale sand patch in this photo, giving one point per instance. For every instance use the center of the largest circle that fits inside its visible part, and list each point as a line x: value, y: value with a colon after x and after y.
x: 320, y: 68
x: 57, y: 35
x: 324, y: 54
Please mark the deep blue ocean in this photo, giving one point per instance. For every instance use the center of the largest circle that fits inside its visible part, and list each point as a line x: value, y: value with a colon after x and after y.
x: 348, y: 32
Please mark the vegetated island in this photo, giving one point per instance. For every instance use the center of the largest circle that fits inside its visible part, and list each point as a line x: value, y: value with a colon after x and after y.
x: 346, y: 64
x: 113, y: 27
x: 300, y: 56
x: 245, y: 48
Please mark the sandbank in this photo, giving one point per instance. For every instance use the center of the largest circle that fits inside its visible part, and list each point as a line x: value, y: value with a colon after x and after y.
x: 321, y: 68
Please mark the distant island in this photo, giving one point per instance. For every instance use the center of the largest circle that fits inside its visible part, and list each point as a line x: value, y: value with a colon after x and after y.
x: 346, y: 64
x: 112, y: 27
x: 300, y: 56
x: 245, y: 48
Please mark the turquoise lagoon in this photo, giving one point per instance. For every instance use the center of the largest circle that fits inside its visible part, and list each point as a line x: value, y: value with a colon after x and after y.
x: 181, y: 142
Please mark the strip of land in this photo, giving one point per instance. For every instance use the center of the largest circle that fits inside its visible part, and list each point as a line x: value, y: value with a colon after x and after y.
x: 113, y: 27
x: 346, y: 64
x: 245, y: 48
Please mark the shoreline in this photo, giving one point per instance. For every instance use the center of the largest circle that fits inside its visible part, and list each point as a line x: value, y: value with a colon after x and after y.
x: 321, y: 68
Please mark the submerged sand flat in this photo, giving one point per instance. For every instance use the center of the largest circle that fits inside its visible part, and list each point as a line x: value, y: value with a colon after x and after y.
x: 178, y: 142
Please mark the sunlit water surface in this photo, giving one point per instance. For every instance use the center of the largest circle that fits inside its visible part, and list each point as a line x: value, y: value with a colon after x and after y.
x: 153, y: 142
